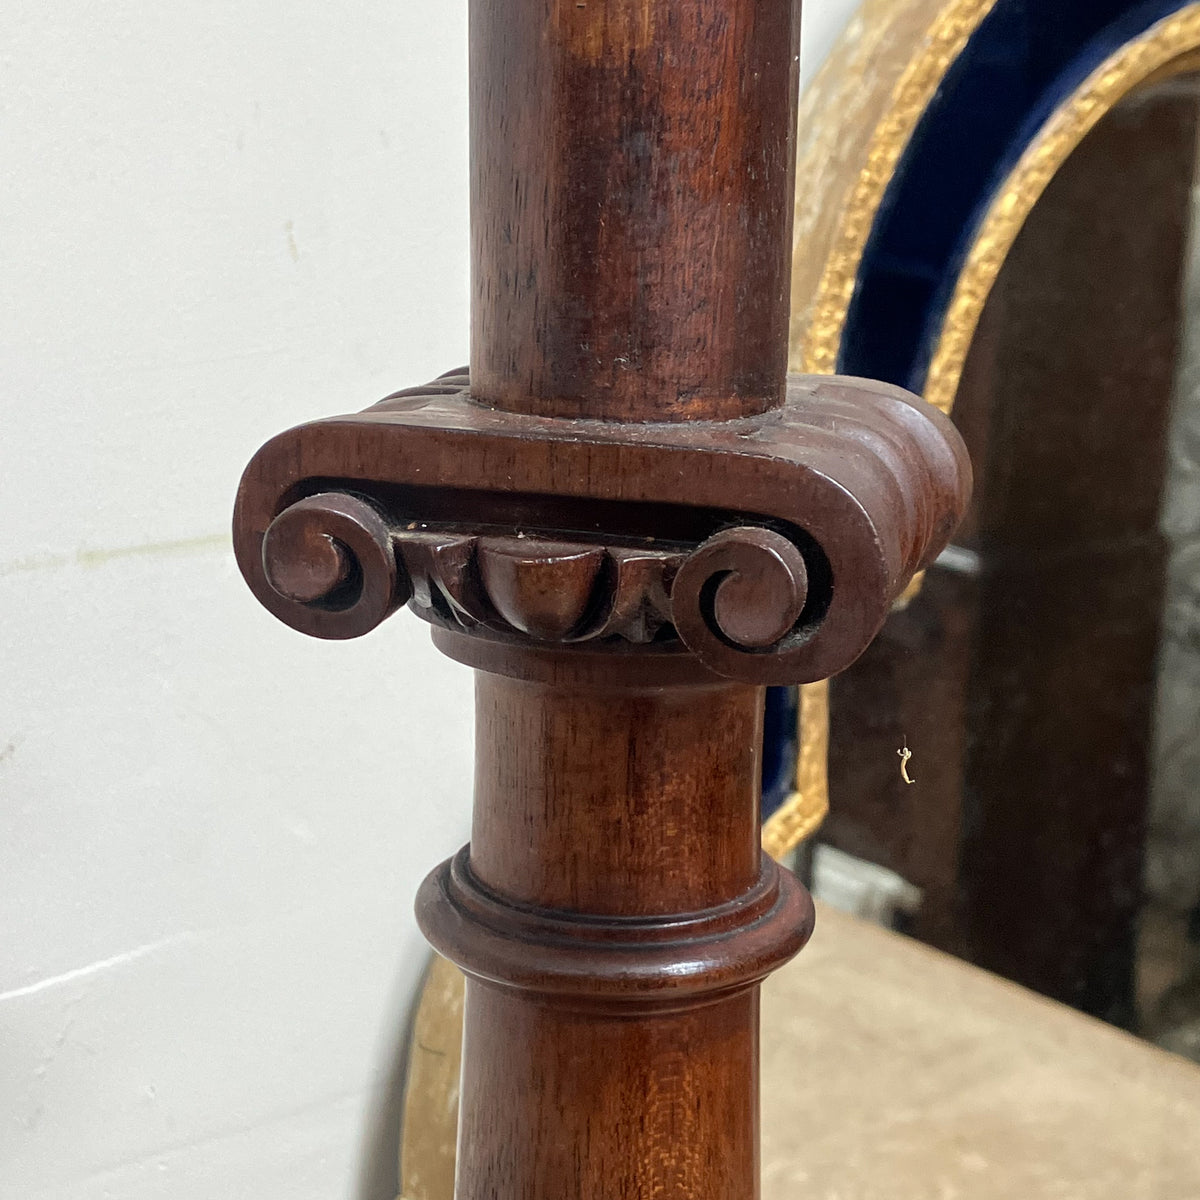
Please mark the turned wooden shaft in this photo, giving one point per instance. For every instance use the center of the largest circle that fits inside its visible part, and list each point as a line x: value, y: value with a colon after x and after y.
x: 617, y: 802
x: 560, y: 1104
x: 631, y: 203
x: 631, y: 208
x: 631, y: 199
x: 635, y: 801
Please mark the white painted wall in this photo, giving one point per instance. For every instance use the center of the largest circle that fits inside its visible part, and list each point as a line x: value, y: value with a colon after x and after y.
x: 216, y: 220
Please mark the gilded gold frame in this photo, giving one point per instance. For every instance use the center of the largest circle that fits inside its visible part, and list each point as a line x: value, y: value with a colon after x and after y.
x: 878, y: 82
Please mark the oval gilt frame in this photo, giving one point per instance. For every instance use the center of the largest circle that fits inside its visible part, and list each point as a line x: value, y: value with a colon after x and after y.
x: 868, y: 167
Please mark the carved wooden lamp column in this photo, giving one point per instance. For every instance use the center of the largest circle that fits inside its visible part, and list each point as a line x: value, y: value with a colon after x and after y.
x: 629, y: 525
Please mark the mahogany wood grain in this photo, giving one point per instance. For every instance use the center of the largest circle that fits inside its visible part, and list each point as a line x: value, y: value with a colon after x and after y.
x: 631, y: 199
x: 804, y: 524
x: 634, y: 801
x: 631, y: 810
x: 559, y: 1103
x: 628, y: 521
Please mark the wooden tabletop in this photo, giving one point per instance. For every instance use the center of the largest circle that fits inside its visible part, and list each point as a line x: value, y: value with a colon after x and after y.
x: 893, y: 1072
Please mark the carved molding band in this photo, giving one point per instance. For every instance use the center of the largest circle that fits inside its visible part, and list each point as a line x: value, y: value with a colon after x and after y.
x: 541, y: 588
x: 632, y: 963
x: 337, y: 568
x: 724, y: 538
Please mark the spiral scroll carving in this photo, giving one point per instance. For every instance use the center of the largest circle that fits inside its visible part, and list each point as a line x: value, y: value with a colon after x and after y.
x: 336, y: 567
x: 742, y: 592
x: 331, y: 567
x: 477, y: 517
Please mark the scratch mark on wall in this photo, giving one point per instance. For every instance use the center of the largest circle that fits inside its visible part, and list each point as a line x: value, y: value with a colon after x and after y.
x: 96, y: 968
x: 101, y: 557
x: 290, y: 229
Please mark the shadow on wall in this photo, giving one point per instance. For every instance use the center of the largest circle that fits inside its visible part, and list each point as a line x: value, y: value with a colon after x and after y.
x: 379, y: 1168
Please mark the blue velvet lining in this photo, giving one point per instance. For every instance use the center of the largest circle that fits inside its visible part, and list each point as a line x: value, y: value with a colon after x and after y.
x: 1024, y: 60
x: 779, y: 749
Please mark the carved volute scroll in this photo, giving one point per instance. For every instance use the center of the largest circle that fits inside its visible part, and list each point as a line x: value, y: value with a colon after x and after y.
x: 629, y: 521
x: 481, y: 520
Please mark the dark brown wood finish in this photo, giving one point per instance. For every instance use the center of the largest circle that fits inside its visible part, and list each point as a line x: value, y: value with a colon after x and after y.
x: 659, y: 828
x: 631, y: 198
x: 671, y: 1104
x: 624, y: 581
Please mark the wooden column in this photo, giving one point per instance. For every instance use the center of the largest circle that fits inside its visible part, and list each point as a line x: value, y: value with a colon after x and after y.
x: 631, y: 205
x: 628, y: 522
x: 622, y: 820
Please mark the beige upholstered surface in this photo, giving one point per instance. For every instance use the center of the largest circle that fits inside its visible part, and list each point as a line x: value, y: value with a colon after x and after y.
x: 892, y: 1072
